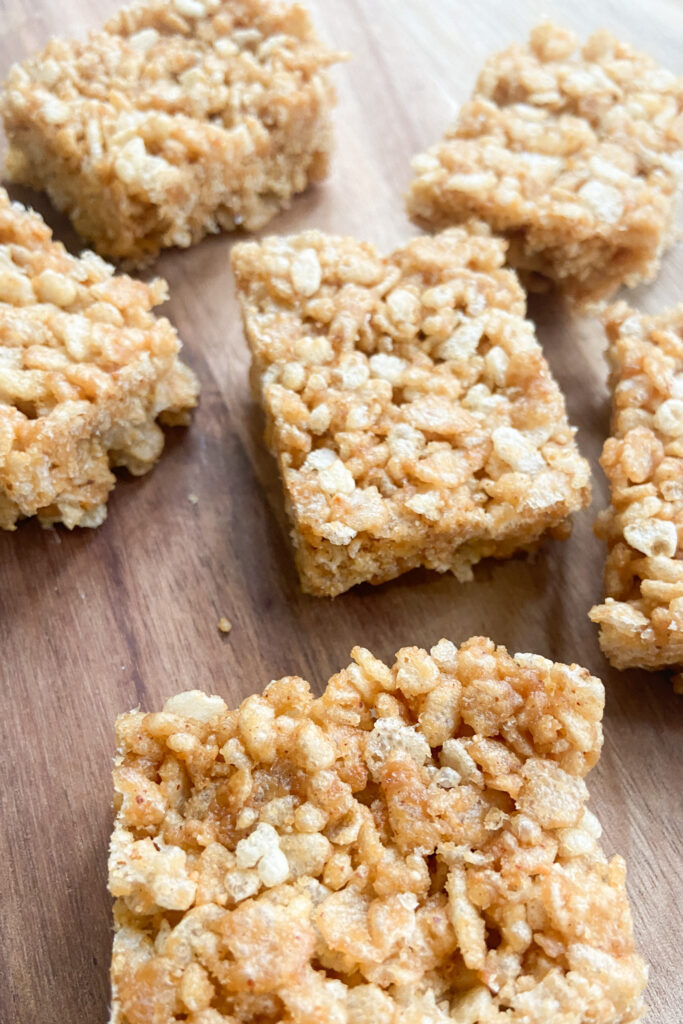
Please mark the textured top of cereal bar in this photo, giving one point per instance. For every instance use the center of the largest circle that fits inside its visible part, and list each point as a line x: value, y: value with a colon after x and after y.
x: 81, y: 356
x: 404, y: 392
x: 643, y: 461
x: 572, y: 145
x: 413, y: 844
x: 230, y: 64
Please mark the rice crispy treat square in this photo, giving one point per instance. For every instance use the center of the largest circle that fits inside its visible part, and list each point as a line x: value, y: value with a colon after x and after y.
x: 414, y: 419
x: 641, y: 621
x: 573, y: 154
x: 180, y: 117
x: 413, y: 847
x: 86, y: 370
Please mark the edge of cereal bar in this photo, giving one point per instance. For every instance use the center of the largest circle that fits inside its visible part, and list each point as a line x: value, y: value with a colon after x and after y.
x: 641, y: 618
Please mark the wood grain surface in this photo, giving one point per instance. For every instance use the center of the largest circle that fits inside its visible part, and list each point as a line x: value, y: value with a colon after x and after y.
x: 95, y: 622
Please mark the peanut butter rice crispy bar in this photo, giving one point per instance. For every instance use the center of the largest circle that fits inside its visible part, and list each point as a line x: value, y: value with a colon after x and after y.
x: 86, y: 369
x: 408, y: 403
x: 413, y: 847
x: 641, y: 621
x: 180, y: 117
x: 573, y: 154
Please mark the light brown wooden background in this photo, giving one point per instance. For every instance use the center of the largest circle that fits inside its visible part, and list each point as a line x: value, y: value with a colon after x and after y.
x: 95, y: 622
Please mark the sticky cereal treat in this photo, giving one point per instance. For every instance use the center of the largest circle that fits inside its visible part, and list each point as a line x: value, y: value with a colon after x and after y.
x: 641, y: 621
x: 573, y: 154
x: 86, y: 370
x: 412, y: 414
x: 180, y: 117
x: 413, y: 847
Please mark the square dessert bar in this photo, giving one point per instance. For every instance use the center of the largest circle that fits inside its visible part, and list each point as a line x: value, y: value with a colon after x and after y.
x: 408, y: 403
x: 641, y: 621
x: 180, y: 117
x: 86, y: 370
x: 413, y: 846
x: 573, y: 154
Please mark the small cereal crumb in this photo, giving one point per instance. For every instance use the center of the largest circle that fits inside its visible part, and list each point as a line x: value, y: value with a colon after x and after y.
x: 340, y: 859
x: 572, y: 153
x: 224, y: 625
x: 408, y: 403
x: 195, y: 704
x: 641, y: 619
x: 179, y: 118
x: 193, y: 499
x: 87, y: 375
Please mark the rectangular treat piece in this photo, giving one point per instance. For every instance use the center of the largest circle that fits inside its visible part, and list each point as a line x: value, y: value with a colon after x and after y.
x: 573, y: 154
x: 408, y: 403
x: 641, y: 621
x: 180, y: 117
x: 86, y: 370
x: 413, y: 846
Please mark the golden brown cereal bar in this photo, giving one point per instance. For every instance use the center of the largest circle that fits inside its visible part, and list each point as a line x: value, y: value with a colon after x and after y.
x: 573, y: 154
x: 641, y: 621
x: 413, y: 847
x: 180, y: 117
x: 86, y: 370
x: 408, y: 403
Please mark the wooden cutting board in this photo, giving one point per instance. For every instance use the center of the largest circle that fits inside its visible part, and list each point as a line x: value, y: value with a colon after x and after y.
x: 95, y: 622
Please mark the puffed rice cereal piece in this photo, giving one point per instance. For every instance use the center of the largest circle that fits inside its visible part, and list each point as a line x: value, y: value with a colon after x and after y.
x: 178, y: 118
x: 641, y: 621
x: 573, y: 154
x: 412, y: 414
x: 86, y: 371
x: 413, y: 847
